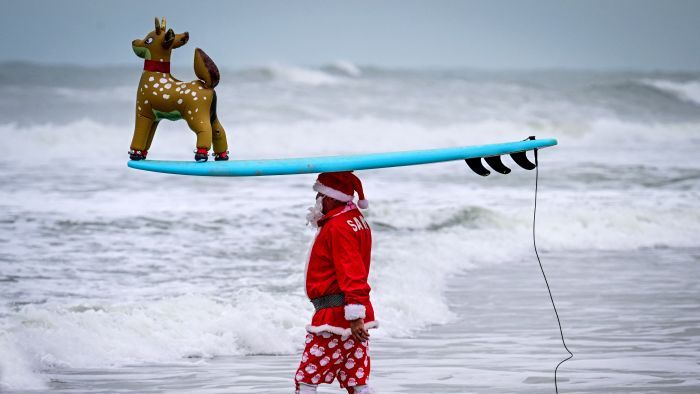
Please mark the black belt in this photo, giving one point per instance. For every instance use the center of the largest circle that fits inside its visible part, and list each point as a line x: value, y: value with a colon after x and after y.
x: 328, y: 301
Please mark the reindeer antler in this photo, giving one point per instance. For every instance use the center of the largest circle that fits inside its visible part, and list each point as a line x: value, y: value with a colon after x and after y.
x: 160, y: 25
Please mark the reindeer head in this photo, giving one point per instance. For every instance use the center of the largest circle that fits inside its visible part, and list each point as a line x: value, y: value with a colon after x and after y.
x: 159, y: 43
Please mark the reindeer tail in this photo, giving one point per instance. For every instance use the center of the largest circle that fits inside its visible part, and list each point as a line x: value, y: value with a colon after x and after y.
x: 205, y: 69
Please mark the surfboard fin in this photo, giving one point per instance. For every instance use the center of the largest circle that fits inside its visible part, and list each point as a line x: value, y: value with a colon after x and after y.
x: 496, y: 163
x: 520, y: 158
x: 476, y: 166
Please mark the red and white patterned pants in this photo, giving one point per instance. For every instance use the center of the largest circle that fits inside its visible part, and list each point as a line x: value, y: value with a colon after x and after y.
x: 329, y: 356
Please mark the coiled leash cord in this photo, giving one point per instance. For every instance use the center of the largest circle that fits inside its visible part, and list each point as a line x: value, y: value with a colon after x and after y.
x: 534, y: 243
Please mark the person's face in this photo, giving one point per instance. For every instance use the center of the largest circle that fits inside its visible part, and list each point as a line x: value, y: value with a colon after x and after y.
x: 323, y: 202
x: 327, y: 203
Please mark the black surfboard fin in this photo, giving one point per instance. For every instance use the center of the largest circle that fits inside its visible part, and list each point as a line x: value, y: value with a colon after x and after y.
x: 475, y: 164
x: 496, y: 163
x: 520, y: 158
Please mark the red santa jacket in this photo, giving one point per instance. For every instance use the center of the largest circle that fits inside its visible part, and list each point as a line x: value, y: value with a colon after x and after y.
x: 339, y: 263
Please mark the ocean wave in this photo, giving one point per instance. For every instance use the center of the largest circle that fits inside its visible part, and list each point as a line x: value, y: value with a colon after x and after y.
x: 301, y: 75
x: 16, y: 370
x: 40, y: 338
x: 626, y: 219
x: 289, y: 94
x: 469, y: 217
x: 687, y: 91
x: 175, y: 141
x: 43, y: 337
x: 106, y: 95
x: 345, y: 68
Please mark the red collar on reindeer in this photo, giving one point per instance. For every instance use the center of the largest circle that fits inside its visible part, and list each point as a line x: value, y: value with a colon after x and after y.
x: 152, y: 65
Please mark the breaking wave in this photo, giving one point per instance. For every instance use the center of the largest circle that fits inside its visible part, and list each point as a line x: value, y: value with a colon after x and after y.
x: 42, y: 337
x: 687, y: 91
x: 344, y: 68
x: 301, y: 75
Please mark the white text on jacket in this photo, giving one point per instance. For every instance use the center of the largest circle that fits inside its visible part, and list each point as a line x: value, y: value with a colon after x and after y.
x: 358, y: 223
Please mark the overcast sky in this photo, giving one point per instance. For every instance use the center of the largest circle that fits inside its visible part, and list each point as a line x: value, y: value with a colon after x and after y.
x: 492, y: 34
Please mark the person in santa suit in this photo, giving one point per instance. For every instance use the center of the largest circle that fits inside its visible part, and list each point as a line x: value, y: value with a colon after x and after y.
x: 337, y: 340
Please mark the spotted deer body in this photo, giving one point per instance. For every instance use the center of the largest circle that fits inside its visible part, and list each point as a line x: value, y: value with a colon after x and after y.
x: 162, y: 96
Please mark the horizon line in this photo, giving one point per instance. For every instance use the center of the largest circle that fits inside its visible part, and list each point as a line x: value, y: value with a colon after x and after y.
x: 244, y: 67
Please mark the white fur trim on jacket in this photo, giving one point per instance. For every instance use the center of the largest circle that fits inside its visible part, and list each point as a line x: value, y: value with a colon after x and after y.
x: 354, y: 311
x: 332, y: 193
x: 345, y: 332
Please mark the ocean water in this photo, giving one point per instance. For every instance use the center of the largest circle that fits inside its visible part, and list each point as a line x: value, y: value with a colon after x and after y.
x: 115, y: 280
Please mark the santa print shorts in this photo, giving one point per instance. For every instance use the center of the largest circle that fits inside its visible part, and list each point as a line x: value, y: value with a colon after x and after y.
x: 329, y: 356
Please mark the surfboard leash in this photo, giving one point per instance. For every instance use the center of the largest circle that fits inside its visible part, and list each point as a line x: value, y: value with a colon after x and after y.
x: 549, y: 290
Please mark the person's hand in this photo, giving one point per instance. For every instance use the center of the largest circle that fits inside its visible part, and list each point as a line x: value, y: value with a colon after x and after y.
x: 357, y: 327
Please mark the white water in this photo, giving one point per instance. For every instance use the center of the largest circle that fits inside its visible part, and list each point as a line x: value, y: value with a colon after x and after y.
x: 689, y: 91
x: 104, y: 267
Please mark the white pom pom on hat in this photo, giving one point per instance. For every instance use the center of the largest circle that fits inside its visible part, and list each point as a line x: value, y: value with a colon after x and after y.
x: 341, y: 186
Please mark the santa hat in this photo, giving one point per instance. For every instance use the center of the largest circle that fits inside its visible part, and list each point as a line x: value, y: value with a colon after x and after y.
x: 341, y: 186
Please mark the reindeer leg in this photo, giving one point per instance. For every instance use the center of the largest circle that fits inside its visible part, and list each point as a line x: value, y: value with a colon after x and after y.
x: 219, y: 140
x: 203, y: 136
x: 151, y: 134
x: 140, y: 140
x: 202, y: 128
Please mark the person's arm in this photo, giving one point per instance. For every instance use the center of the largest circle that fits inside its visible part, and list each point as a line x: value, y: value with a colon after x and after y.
x: 352, y: 279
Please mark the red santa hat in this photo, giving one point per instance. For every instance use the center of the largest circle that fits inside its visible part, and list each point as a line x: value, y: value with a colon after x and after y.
x: 341, y: 186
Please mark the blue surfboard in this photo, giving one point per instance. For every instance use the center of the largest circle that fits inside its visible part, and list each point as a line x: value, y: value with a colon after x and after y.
x: 309, y: 165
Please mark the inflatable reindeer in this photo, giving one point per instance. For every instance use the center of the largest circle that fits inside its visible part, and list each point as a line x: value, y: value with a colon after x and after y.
x: 161, y: 96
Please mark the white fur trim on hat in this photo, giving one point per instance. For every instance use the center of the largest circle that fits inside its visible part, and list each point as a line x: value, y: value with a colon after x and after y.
x: 363, y: 204
x: 332, y: 193
x: 354, y: 311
